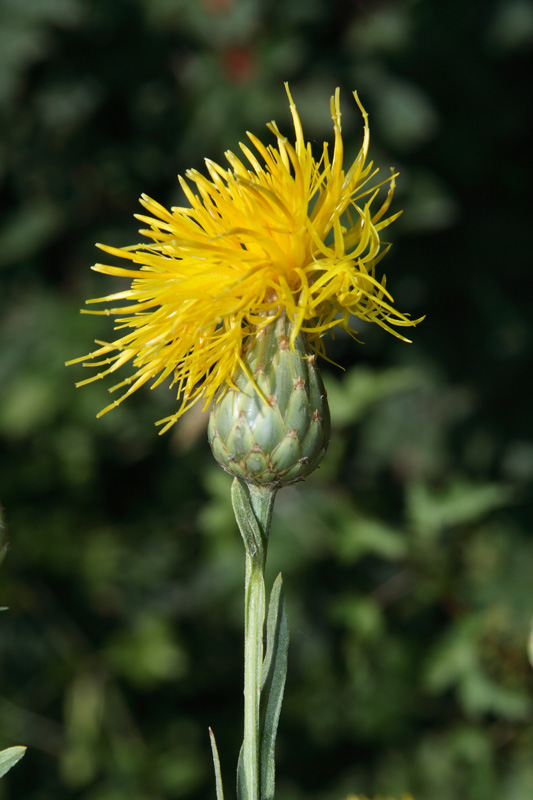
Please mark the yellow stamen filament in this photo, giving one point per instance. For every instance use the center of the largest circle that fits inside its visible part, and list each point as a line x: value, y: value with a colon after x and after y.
x: 276, y: 231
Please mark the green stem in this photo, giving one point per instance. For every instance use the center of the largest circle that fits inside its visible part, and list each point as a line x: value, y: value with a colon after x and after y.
x: 253, y: 512
x: 253, y: 659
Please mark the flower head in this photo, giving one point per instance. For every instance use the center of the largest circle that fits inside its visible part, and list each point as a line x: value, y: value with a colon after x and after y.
x: 278, y: 231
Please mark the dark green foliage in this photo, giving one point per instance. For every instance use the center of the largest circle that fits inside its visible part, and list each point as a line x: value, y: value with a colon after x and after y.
x: 408, y: 556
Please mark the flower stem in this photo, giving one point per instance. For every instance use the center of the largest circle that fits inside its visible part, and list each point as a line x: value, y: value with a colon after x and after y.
x: 253, y: 658
x: 253, y: 512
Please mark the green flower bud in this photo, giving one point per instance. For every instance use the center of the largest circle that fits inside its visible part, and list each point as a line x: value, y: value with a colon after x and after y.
x: 275, y: 429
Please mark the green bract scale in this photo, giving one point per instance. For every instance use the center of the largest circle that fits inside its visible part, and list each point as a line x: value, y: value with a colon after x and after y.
x: 272, y: 430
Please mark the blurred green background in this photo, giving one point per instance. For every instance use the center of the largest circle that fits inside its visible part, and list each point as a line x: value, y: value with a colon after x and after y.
x: 408, y: 557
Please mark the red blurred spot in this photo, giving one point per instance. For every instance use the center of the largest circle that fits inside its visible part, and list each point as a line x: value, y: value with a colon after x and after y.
x: 239, y: 64
x: 217, y: 6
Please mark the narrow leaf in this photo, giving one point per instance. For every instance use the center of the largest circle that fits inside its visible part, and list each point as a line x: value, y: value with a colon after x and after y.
x: 216, y: 764
x: 273, y: 685
x: 9, y: 757
x: 242, y: 793
x: 246, y: 519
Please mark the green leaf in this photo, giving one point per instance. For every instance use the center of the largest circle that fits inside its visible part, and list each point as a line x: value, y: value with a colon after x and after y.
x: 459, y: 502
x: 362, y: 534
x: 362, y: 388
x: 246, y: 519
x: 456, y: 662
x: 9, y: 757
x: 242, y: 793
x: 253, y: 511
x: 273, y: 685
x: 216, y: 764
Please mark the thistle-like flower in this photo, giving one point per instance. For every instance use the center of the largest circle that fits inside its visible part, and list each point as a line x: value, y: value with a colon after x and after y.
x: 276, y: 233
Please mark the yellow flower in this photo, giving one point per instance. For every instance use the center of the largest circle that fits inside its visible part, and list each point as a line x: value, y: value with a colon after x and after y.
x: 276, y: 231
